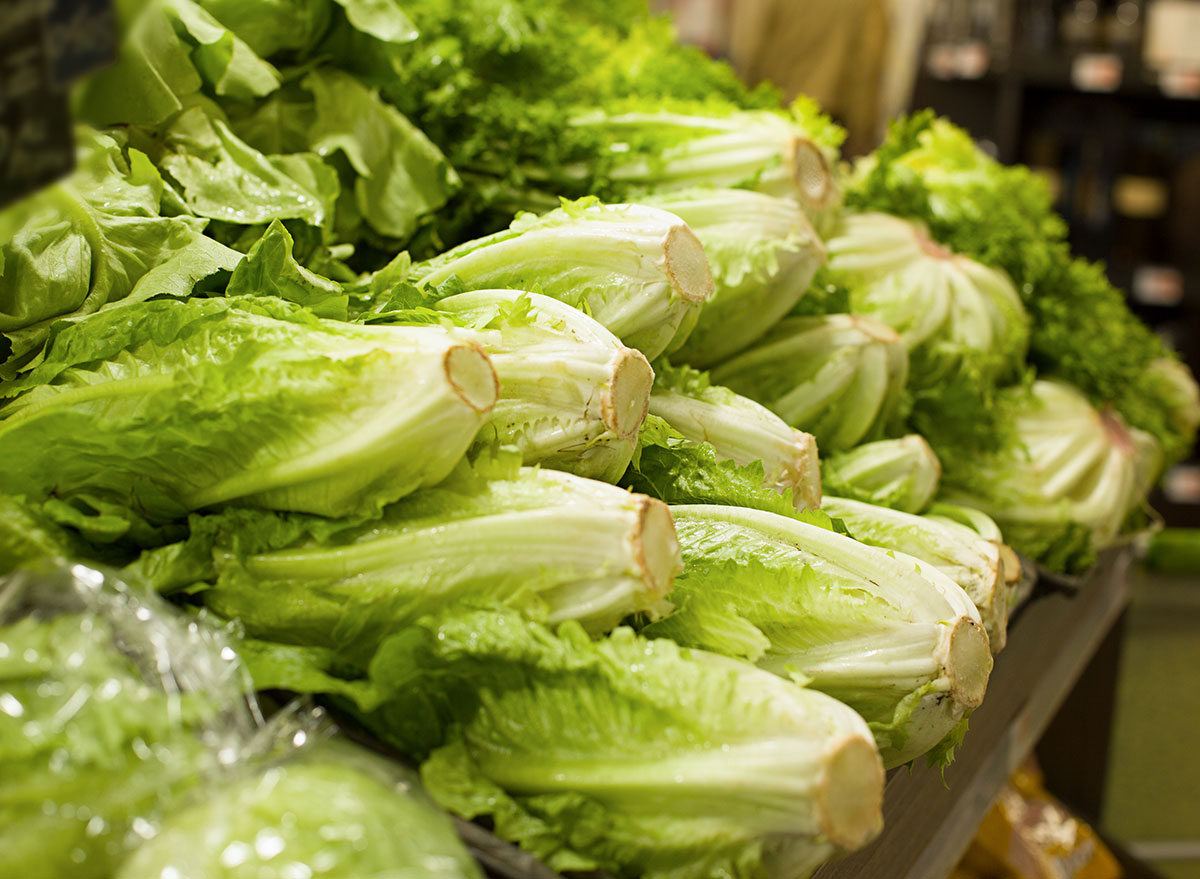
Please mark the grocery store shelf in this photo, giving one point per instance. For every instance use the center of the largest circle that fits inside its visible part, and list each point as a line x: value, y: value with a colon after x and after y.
x: 928, y: 825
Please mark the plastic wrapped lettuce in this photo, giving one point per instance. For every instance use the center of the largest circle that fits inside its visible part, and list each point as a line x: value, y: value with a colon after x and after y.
x: 899, y: 473
x: 134, y: 749
x: 890, y: 636
x: 552, y: 545
x: 332, y: 809
x: 763, y: 253
x: 639, y: 271
x: 838, y: 376
x: 142, y: 413
x: 671, y: 147
x: 955, y: 315
x: 739, y: 430
x: 111, y: 707
x: 1066, y: 487
x: 623, y: 754
x: 973, y: 562
x: 572, y: 397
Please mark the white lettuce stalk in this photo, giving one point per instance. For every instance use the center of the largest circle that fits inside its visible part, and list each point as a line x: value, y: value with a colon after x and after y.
x: 973, y: 562
x: 755, y: 149
x: 1065, y: 488
x: 899, y: 473
x: 839, y: 376
x: 890, y: 636
x: 153, y: 409
x: 763, y: 253
x: 639, y: 271
x: 953, y: 313
x: 739, y: 430
x: 554, y: 546
x: 1019, y: 579
x: 623, y: 754
x: 572, y: 397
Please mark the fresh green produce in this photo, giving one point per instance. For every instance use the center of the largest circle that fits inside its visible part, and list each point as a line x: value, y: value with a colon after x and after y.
x: 112, y: 230
x: 624, y: 754
x: 971, y: 523
x: 739, y: 430
x: 899, y: 473
x: 763, y: 254
x: 971, y: 561
x: 663, y: 149
x: 890, y: 636
x: 839, y: 376
x: 670, y: 466
x: 955, y: 315
x: 142, y: 413
x: 333, y: 810
x: 572, y: 397
x: 639, y: 271
x: 1081, y: 329
x: 110, y: 707
x: 554, y: 546
x: 1066, y: 490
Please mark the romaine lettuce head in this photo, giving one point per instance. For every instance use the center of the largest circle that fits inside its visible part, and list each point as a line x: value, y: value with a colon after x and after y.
x: 572, y: 397
x: 1019, y: 578
x: 971, y: 561
x: 112, y: 706
x: 837, y: 376
x: 639, y: 271
x: 763, y: 253
x: 554, y: 546
x: 1066, y: 490
x: 625, y: 754
x: 955, y: 315
x: 109, y: 231
x: 678, y: 147
x: 890, y: 636
x: 899, y: 473
x: 739, y: 430
x: 334, y: 810
x: 142, y: 413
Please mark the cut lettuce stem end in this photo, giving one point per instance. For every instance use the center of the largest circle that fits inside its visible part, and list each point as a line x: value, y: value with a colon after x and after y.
x: 469, y: 372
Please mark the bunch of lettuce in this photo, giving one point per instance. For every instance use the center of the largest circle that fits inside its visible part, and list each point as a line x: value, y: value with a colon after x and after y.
x: 140, y: 414
x: 738, y: 430
x: 1081, y: 329
x: 840, y: 377
x: 890, y: 636
x: 763, y: 254
x: 553, y: 546
x: 903, y: 473
x: 639, y: 271
x: 572, y: 397
x: 624, y: 754
x: 1069, y: 484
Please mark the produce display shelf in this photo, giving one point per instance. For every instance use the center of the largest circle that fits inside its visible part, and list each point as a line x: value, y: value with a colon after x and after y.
x: 928, y: 824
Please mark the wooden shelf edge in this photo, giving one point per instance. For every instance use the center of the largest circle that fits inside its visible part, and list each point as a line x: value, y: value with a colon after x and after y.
x: 928, y: 825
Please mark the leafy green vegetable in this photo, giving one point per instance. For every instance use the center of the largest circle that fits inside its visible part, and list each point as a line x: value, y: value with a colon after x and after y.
x: 838, y: 377
x: 899, y: 473
x: 968, y: 559
x: 335, y: 810
x: 739, y: 430
x: 623, y: 754
x: 552, y: 545
x: 763, y: 254
x: 963, y: 323
x: 1081, y: 329
x: 891, y: 637
x: 142, y: 413
x: 639, y: 271
x: 270, y: 269
x: 572, y: 397
x: 1065, y: 489
x: 108, y: 232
